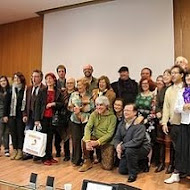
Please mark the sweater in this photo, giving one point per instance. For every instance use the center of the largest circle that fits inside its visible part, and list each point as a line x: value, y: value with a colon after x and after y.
x: 101, y: 127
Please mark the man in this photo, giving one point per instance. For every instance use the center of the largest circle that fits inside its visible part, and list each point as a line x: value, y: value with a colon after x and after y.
x: 31, y: 94
x: 146, y: 73
x: 98, y: 134
x: 88, y: 70
x: 131, y: 143
x: 183, y: 62
x: 61, y: 84
x: 169, y: 116
x: 61, y: 71
x: 125, y: 87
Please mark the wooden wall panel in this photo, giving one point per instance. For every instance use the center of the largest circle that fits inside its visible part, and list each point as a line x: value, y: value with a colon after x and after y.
x: 182, y: 28
x: 21, y: 47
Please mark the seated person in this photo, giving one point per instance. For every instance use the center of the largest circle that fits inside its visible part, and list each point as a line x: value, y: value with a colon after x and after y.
x: 98, y: 134
x: 131, y: 143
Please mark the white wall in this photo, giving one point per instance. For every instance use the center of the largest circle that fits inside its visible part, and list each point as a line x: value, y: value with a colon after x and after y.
x: 135, y: 33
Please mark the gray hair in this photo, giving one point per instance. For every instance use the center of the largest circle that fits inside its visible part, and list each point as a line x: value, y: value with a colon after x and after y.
x: 102, y: 100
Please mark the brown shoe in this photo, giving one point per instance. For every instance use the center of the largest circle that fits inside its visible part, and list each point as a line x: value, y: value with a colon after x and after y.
x: 14, y: 154
x: 19, y: 155
x: 86, y: 166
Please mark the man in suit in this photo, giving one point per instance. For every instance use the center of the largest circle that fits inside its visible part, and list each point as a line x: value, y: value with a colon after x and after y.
x: 131, y: 143
x: 31, y: 94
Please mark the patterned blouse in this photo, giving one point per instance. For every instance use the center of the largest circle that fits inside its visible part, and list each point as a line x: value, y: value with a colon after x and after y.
x: 145, y: 104
x: 86, y: 105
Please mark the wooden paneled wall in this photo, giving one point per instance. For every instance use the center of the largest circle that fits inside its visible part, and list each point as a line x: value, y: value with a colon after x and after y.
x: 21, y: 42
x: 182, y: 28
x: 21, y: 47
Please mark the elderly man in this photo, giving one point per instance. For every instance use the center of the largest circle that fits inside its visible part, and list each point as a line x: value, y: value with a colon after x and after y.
x: 183, y: 62
x: 131, y: 143
x: 98, y: 134
x: 88, y: 70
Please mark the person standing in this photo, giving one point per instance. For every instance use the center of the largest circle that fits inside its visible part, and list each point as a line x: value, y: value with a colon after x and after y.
x: 4, y: 128
x: 15, y: 103
x: 125, y: 87
x: 169, y: 116
x: 31, y: 95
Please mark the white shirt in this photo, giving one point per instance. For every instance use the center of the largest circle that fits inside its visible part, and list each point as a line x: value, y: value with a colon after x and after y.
x: 185, y: 115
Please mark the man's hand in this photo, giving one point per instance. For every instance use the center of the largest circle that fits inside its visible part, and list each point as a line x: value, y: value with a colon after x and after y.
x: 5, y: 119
x: 94, y: 143
x: 89, y: 146
x: 119, y: 150
x: 165, y: 129
x: 25, y: 119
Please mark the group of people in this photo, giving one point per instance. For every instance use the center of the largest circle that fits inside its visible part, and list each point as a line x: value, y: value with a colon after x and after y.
x: 124, y: 123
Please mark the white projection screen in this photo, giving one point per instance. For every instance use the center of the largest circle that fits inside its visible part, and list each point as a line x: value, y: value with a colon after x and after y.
x: 108, y: 35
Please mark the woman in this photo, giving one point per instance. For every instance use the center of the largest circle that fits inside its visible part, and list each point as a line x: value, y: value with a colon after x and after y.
x: 65, y: 131
x: 14, y: 106
x: 104, y: 89
x: 182, y: 155
x: 145, y: 103
x: 81, y: 105
x: 4, y: 129
x: 161, y: 137
x: 48, y: 101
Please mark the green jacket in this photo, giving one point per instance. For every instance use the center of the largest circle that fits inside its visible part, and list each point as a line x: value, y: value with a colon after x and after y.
x: 101, y: 127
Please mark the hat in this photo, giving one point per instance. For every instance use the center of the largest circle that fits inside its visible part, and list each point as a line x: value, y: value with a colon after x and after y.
x: 123, y: 69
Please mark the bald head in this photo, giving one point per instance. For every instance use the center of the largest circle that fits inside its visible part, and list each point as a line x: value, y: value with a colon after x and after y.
x: 88, y: 70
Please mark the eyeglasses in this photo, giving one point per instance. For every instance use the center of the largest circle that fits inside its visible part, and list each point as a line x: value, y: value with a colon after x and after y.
x: 174, y: 73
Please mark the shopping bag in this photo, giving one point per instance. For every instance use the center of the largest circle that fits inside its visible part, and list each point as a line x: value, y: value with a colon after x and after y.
x: 35, y: 143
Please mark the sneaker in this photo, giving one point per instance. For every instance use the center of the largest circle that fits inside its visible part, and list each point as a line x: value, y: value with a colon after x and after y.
x: 173, y: 178
x: 7, y: 154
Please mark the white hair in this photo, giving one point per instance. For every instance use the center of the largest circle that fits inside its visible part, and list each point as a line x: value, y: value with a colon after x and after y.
x: 102, y: 100
x: 180, y: 58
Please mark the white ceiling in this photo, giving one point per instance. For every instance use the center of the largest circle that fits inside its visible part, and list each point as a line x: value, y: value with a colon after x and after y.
x: 15, y: 10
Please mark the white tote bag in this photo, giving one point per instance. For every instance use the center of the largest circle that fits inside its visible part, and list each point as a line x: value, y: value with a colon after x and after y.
x: 35, y: 143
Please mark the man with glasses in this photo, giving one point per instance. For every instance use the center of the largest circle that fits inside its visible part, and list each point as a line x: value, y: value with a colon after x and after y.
x: 169, y: 117
x: 131, y: 143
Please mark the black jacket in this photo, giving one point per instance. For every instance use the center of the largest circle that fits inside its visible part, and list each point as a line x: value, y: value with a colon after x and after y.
x: 126, y: 89
x: 41, y: 102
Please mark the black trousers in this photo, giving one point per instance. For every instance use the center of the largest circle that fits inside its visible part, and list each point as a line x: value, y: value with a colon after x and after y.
x: 17, y: 132
x: 48, y: 129
x: 129, y: 161
x: 77, y: 132
x: 57, y: 143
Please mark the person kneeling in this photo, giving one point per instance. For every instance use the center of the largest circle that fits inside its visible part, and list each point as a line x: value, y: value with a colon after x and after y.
x: 98, y: 134
x: 131, y: 143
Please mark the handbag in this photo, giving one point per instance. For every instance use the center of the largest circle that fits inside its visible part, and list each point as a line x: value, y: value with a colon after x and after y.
x: 60, y: 118
x: 35, y: 143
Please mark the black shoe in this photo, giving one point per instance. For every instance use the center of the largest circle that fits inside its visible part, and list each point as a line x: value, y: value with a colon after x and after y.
x: 132, y: 178
x: 58, y: 154
x: 170, y: 169
x: 36, y: 158
x: 160, y: 168
x: 66, y: 159
x: 27, y: 157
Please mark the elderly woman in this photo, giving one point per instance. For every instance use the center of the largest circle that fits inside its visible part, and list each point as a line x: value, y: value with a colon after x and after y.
x: 104, y: 89
x: 81, y: 105
x: 98, y: 134
x: 15, y: 102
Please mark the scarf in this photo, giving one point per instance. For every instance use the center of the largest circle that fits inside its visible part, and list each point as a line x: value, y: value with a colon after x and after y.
x: 186, y: 95
x: 14, y: 99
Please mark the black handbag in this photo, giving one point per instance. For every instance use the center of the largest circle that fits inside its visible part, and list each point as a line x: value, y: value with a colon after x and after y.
x: 60, y: 118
